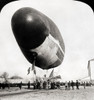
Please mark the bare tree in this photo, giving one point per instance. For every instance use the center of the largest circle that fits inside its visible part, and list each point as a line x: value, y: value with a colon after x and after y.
x: 5, y: 76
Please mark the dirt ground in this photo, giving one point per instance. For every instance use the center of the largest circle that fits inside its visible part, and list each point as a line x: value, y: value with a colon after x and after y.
x: 56, y: 94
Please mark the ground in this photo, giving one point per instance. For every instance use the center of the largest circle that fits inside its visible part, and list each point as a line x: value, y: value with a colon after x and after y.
x: 57, y: 94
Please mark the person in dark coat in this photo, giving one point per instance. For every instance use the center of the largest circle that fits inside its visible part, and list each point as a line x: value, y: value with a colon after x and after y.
x: 35, y: 85
x: 20, y: 85
x: 38, y: 85
x: 72, y: 85
x: 66, y: 85
x: 44, y: 85
x: 28, y: 85
x: 77, y: 84
x: 52, y: 85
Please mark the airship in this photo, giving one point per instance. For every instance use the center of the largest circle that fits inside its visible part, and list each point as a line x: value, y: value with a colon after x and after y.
x: 38, y: 38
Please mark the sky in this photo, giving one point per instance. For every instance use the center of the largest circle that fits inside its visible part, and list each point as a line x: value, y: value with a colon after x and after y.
x: 75, y: 21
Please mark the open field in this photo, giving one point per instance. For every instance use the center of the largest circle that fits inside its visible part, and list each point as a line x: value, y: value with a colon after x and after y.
x: 57, y: 94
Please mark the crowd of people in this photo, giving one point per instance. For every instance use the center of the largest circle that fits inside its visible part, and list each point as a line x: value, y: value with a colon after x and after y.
x: 35, y: 85
x: 48, y: 84
x: 70, y: 85
x: 57, y: 85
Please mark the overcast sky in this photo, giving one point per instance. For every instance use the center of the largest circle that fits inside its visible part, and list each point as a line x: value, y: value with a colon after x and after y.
x: 75, y: 21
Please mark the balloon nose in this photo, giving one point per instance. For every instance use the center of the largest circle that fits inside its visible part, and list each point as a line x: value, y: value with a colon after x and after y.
x: 29, y: 28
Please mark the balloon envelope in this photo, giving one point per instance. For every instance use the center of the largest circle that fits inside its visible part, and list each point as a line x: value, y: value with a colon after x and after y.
x: 38, y: 38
